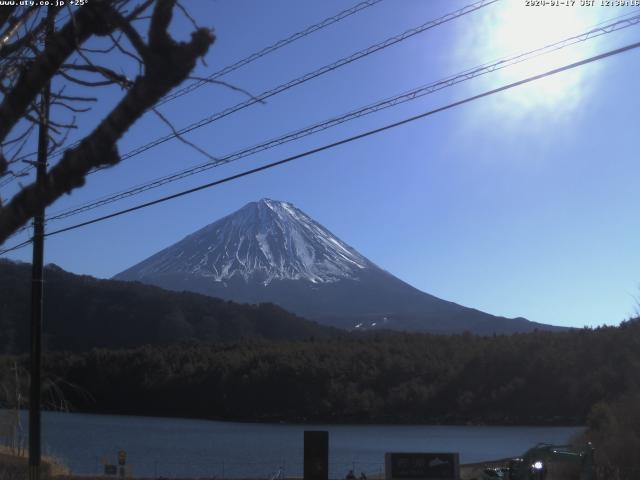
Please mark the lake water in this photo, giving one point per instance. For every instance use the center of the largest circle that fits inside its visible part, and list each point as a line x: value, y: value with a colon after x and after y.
x: 173, y: 447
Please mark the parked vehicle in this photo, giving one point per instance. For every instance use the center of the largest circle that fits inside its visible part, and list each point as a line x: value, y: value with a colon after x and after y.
x: 548, y: 462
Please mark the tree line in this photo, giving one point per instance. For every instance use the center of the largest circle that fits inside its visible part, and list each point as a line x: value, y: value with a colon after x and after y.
x: 83, y: 312
x: 552, y: 378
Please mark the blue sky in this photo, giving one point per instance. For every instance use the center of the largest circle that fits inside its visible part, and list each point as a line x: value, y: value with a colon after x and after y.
x: 520, y: 204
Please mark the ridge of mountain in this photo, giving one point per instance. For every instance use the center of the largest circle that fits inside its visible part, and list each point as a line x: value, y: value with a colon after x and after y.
x: 82, y: 312
x: 270, y: 251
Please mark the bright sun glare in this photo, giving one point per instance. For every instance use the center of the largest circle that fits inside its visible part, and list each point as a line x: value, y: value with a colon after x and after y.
x: 516, y: 28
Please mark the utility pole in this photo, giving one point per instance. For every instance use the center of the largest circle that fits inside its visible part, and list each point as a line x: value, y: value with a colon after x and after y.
x: 35, y: 365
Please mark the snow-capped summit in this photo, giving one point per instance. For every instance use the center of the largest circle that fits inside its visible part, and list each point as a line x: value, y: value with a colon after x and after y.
x: 270, y: 251
x: 263, y: 241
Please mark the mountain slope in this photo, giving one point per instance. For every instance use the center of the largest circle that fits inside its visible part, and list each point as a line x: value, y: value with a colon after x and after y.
x: 272, y: 251
x: 82, y: 312
x: 262, y: 242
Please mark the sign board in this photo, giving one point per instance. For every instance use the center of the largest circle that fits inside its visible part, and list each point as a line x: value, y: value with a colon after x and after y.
x: 122, y: 457
x: 316, y: 455
x: 110, y: 469
x: 422, y: 466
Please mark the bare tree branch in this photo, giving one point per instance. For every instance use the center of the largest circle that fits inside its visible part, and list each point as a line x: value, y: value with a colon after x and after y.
x: 118, y: 45
x: 9, y: 48
x: 181, y: 137
x: 139, y: 9
x: 167, y: 64
x: 134, y: 38
x: 85, y: 83
x: 107, y: 73
x: 69, y: 107
x: 230, y: 86
x: 75, y: 98
x: 5, y: 13
x: 187, y: 15
x: 14, y: 26
x: 87, y: 21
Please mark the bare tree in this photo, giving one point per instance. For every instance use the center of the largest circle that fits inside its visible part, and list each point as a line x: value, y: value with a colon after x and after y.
x: 12, y: 400
x: 78, y: 52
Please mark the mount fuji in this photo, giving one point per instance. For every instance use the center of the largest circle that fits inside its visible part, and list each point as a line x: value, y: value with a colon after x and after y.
x: 270, y: 251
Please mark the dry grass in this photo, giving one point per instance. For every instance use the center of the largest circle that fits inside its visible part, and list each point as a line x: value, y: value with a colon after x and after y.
x: 15, y: 467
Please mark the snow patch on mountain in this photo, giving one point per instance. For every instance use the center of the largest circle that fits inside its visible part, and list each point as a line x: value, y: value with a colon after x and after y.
x: 266, y: 240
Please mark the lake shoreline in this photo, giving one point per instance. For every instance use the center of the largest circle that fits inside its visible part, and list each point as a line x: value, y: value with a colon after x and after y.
x: 192, y: 448
x: 14, y: 466
x: 397, y: 421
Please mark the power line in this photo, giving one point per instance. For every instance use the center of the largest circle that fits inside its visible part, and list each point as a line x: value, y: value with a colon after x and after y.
x: 310, y: 76
x: 20, y: 173
x: 345, y: 140
x: 16, y: 247
x: 267, y: 50
x: 601, y: 28
x: 303, y: 79
x: 234, y: 66
x: 354, y: 114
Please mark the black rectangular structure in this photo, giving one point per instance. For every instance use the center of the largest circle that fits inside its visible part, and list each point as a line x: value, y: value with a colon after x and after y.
x: 316, y: 455
x: 110, y: 469
x: 422, y: 466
